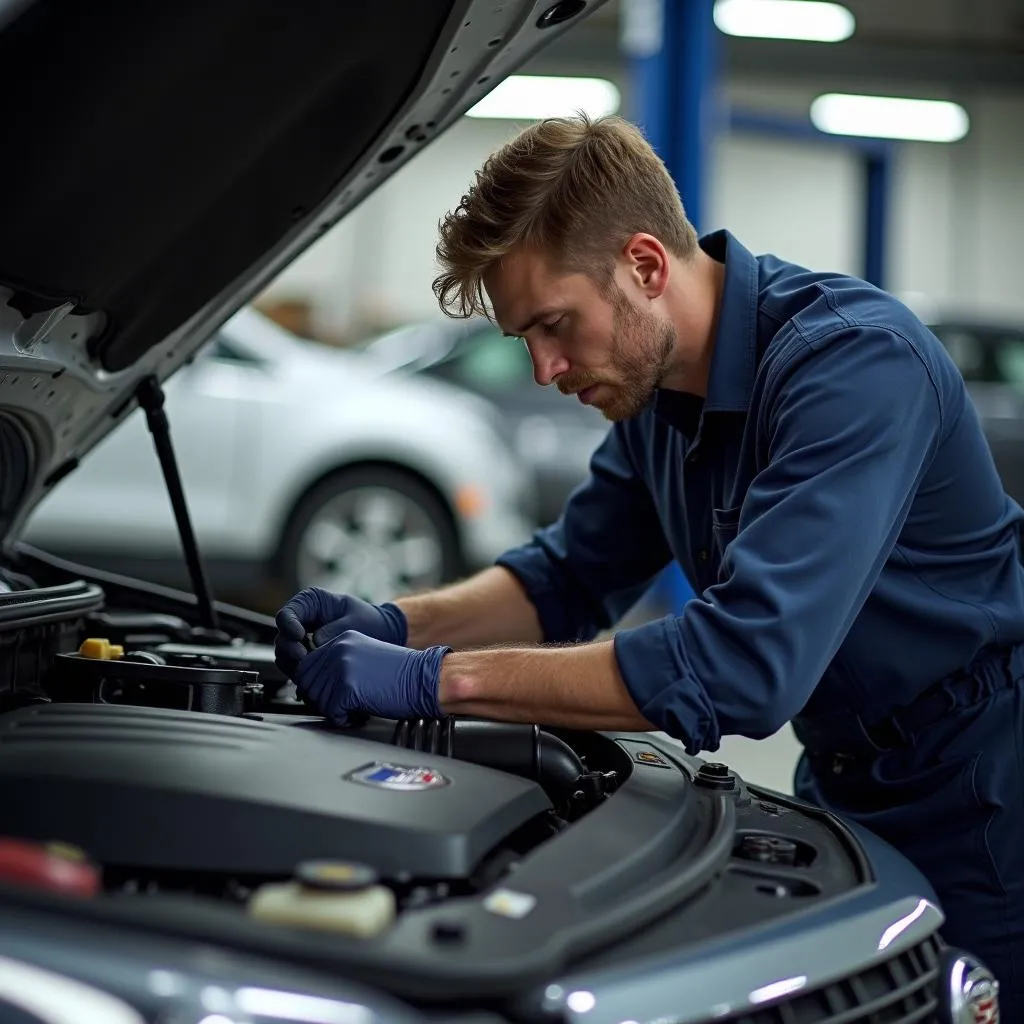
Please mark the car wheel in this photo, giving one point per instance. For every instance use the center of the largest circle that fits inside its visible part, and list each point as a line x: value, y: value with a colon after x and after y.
x: 374, y: 532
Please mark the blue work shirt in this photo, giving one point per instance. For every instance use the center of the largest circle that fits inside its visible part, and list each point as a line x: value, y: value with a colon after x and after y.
x: 833, y: 501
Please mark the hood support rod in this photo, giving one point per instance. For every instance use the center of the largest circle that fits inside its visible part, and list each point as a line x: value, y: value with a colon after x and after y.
x: 151, y: 400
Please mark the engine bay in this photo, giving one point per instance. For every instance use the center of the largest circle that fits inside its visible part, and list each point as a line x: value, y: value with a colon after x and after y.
x: 163, y: 776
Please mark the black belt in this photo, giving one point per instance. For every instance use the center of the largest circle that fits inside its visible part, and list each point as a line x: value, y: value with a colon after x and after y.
x: 849, y: 733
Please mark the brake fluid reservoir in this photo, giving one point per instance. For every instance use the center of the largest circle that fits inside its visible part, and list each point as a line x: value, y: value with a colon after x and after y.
x: 332, y: 896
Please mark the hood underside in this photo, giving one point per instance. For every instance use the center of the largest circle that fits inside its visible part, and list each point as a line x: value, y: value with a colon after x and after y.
x: 163, y: 162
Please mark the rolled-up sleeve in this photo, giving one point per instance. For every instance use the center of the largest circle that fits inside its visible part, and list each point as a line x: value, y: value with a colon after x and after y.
x: 850, y: 423
x: 585, y: 571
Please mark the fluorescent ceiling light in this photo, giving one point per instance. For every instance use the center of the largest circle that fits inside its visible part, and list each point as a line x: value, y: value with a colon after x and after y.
x: 807, y: 20
x: 532, y: 97
x: 887, y: 117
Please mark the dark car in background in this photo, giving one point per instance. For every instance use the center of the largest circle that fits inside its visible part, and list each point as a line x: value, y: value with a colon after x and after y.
x: 990, y: 355
x: 553, y: 435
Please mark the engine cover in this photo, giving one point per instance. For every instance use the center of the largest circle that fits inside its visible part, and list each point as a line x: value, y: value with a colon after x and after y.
x: 173, y: 790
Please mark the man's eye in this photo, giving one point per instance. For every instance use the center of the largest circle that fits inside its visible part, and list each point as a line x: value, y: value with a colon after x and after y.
x: 552, y: 328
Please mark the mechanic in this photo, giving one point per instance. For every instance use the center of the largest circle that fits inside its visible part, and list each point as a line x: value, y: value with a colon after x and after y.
x: 806, y: 450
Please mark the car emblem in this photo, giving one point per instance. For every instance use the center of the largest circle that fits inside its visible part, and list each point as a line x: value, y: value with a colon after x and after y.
x: 401, y: 777
x: 973, y: 993
x: 650, y: 757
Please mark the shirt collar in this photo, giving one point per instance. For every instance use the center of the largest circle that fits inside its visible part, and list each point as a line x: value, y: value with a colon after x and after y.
x: 734, y: 358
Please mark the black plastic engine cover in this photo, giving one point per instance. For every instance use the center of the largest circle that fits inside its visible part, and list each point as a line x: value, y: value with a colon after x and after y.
x: 172, y: 790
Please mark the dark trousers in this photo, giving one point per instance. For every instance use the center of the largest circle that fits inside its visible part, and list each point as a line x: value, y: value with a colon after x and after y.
x: 950, y: 798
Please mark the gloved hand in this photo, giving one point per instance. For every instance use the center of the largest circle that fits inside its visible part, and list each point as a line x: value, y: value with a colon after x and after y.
x: 327, y: 615
x: 354, y: 673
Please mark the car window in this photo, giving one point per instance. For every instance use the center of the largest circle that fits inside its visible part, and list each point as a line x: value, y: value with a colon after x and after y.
x: 1009, y: 350
x: 488, y: 361
x: 220, y: 348
x: 985, y: 355
x: 967, y: 351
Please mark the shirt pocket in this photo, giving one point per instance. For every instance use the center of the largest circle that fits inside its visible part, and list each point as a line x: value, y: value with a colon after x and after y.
x: 725, y: 524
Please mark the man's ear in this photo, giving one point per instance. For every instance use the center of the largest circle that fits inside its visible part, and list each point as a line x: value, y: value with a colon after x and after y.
x: 648, y: 264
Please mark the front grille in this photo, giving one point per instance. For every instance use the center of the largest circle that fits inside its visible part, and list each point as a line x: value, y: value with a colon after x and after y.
x: 900, y: 990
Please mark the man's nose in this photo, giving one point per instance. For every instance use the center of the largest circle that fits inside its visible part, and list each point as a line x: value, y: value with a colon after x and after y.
x: 548, y: 363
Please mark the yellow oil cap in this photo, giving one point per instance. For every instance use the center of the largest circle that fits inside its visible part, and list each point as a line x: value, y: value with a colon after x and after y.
x: 101, y: 649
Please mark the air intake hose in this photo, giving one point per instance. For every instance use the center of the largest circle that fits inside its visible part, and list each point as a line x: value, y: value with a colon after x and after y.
x: 524, y: 750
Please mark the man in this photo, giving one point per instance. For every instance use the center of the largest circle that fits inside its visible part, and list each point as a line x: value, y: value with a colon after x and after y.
x: 806, y: 450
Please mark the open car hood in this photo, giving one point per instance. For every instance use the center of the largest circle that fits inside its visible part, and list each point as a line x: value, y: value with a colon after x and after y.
x: 164, y: 162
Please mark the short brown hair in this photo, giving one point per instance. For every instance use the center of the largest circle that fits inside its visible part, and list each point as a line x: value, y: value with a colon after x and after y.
x: 575, y: 189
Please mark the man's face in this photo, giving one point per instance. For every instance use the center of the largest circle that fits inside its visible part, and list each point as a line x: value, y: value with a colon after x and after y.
x: 599, y: 344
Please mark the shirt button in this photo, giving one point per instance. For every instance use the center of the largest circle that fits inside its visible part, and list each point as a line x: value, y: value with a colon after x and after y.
x: 703, y: 556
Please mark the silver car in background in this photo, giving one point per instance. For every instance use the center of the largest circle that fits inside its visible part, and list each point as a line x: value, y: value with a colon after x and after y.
x: 303, y: 465
x: 553, y: 435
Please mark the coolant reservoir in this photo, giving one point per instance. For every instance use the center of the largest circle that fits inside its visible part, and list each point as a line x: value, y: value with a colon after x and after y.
x: 332, y: 896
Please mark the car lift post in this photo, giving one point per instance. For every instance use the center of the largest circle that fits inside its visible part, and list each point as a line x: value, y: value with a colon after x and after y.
x: 673, y: 48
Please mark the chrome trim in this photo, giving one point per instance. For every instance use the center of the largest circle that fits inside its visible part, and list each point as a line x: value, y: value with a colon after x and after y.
x: 973, y: 992
x: 55, y: 999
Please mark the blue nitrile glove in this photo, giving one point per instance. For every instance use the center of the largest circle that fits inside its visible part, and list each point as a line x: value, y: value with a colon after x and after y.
x: 326, y: 615
x: 354, y: 673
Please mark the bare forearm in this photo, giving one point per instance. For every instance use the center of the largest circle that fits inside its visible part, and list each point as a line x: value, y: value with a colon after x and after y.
x: 489, y: 608
x: 577, y: 687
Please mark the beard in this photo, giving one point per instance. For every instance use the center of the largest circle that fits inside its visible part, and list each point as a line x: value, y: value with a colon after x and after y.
x: 640, y: 360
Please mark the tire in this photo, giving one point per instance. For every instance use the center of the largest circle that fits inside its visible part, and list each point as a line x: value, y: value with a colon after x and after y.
x: 373, y: 531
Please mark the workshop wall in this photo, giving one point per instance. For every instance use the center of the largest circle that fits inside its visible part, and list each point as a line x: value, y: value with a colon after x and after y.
x: 956, y: 217
x: 758, y: 189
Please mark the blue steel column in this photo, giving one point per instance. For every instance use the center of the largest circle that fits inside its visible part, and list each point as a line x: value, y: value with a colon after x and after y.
x: 674, y: 60
x: 673, y: 48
